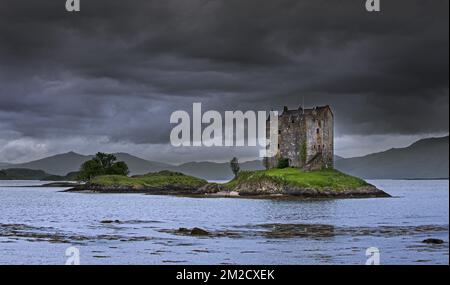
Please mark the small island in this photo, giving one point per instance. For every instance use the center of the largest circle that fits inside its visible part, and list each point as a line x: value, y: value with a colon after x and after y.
x: 159, y: 183
x: 273, y: 183
x: 294, y: 182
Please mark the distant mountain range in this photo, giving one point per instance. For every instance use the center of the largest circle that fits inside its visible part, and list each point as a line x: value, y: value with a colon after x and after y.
x: 215, y: 171
x: 4, y: 165
x: 425, y: 159
x: 22, y: 174
x: 62, y: 164
x: 30, y: 174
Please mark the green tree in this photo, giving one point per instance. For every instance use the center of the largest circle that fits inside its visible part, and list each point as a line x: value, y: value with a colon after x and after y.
x: 234, y: 164
x: 90, y: 169
x: 105, y: 159
x: 118, y: 168
x: 102, y: 164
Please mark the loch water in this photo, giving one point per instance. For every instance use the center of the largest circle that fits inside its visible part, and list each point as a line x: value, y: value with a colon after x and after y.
x: 38, y: 225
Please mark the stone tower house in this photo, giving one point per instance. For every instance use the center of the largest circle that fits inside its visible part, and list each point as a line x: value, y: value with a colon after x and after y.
x: 305, y: 138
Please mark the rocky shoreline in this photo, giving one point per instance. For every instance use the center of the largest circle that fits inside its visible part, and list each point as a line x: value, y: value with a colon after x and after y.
x: 246, y: 190
x: 121, y: 189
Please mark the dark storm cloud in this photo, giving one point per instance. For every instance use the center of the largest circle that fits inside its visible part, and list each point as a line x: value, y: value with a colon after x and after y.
x: 119, y: 68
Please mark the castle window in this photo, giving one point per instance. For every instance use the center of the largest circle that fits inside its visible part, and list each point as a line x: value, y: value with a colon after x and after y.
x: 317, y: 131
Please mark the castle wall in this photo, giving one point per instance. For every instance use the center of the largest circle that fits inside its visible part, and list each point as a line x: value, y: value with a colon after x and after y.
x: 319, y: 134
x: 292, y: 136
x: 328, y: 140
x: 311, y: 137
x: 271, y: 162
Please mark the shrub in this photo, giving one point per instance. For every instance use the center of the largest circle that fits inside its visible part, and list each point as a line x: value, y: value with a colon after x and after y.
x: 283, y: 163
x: 234, y: 164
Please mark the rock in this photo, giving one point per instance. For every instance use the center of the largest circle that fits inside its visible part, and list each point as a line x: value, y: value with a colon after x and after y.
x: 110, y: 222
x: 210, y: 188
x: 433, y: 241
x: 194, y: 231
x: 271, y: 187
x: 61, y: 184
x: 263, y: 186
x: 199, y: 232
x: 299, y: 230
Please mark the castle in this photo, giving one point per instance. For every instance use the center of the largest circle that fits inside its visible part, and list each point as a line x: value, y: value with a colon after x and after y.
x: 305, y: 138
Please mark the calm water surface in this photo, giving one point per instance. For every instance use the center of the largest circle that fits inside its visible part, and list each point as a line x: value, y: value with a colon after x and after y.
x: 37, y: 225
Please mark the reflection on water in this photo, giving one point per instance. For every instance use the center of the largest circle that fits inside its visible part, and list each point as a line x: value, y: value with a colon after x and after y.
x: 38, y: 224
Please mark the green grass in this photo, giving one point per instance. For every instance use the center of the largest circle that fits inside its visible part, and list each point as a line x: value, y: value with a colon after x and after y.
x: 328, y: 178
x: 320, y: 179
x: 159, y: 179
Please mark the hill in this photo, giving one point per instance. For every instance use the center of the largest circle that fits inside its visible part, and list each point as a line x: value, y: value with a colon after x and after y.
x: 425, y: 159
x: 62, y: 164
x: 22, y: 174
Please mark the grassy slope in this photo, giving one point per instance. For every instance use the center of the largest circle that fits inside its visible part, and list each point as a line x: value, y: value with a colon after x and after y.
x: 160, y: 179
x: 328, y: 178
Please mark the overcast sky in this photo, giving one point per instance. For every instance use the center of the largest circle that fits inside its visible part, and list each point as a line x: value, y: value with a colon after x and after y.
x: 108, y: 78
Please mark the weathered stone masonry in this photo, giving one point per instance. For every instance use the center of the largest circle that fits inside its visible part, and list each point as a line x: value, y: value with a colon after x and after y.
x: 305, y: 138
